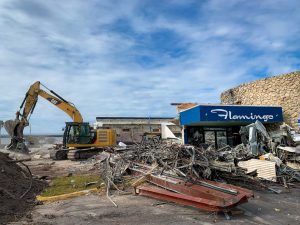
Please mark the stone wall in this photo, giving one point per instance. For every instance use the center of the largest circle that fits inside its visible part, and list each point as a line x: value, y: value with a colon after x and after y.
x: 282, y: 90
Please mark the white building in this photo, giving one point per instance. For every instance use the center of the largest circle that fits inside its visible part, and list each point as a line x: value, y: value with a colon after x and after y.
x: 132, y: 129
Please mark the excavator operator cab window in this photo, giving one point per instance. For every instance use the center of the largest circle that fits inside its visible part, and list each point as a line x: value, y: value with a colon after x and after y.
x: 84, y: 131
x: 73, y: 136
x: 79, y: 134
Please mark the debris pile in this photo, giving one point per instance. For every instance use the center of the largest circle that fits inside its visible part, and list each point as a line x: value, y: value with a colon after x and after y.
x: 182, y: 160
x: 253, y: 164
x: 289, y: 149
x: 176, y: 169
x: 17, y: 189
x: 192, y: 162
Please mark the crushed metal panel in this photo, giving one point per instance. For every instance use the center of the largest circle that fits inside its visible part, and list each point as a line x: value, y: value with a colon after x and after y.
x: 289, y: 149
x: 265, y: 169
x: 260, y: 127
x: 293, y: 165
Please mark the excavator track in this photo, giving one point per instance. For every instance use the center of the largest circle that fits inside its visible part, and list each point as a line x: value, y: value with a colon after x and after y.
x: 83, y: 154
x: 59, y: 154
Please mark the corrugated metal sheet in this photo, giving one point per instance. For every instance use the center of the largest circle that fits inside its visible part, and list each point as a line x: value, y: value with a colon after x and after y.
x: 265, y: 169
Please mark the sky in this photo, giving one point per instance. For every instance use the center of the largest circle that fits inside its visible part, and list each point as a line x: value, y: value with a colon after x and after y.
x: 135, y: 57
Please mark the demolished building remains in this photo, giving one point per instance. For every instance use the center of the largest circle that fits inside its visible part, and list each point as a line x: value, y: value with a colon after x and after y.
x: 133, y: 129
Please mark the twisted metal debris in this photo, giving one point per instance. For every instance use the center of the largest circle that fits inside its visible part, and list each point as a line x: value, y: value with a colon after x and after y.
x: 192, y: 163
x: 186, y: 162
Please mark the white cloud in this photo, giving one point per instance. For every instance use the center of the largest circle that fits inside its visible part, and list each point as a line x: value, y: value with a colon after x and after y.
x: 71, y: 47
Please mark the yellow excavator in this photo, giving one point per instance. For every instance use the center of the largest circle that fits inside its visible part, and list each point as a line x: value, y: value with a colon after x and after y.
x: 80, y: 141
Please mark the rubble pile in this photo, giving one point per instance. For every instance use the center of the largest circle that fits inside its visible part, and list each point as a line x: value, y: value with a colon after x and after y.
x: 186, y: 162
x: 17, y: 189
x: 173, y: 168
x: 252, y: 164
x: 182, y: 160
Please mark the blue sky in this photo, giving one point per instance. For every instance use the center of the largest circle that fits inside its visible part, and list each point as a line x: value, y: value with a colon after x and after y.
x: 135, y: 57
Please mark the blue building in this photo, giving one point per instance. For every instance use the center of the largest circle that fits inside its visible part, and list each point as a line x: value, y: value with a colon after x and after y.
x: 220, y: 124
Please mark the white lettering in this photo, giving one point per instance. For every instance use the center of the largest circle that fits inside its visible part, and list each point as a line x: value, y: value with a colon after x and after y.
x: 53, y: 101
x: 227, y: 114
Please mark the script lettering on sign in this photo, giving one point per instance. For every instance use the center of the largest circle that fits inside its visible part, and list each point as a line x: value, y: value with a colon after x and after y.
x: 227, y: 115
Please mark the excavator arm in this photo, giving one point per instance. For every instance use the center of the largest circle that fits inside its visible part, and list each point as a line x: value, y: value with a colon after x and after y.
x: 31, y: 99
x: 15, y: 128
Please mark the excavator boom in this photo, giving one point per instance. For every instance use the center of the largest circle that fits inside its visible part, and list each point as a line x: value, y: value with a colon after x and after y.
x: 16, y: 127
x: 31, y: 99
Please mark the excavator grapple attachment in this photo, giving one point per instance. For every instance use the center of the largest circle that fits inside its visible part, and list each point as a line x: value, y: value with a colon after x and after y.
x: 15, y: 130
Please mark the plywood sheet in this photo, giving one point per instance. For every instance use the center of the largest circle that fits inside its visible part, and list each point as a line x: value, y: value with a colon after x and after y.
x: 265, y: 169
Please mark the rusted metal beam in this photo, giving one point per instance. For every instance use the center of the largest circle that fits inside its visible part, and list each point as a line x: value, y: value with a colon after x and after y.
x: 210, y: 197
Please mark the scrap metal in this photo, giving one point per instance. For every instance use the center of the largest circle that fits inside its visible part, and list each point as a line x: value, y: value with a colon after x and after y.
x: 175, y: 168
x: 203, y: 194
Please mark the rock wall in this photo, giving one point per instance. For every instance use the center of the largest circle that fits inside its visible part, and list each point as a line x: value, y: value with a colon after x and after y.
x: 282, y: 90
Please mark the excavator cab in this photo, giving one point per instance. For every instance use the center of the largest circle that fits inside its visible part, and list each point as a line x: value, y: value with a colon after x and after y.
x: 78, y: 133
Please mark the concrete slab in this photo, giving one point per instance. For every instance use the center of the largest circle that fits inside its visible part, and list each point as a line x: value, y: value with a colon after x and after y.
x: 265, y: 208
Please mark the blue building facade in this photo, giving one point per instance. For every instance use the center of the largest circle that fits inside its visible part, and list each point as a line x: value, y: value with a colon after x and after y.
x: 220, y: 124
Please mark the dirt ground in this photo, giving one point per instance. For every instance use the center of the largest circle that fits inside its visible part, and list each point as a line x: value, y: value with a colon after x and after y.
x: 265, y: 208
x: 17, y: 189
x: 51, y: 168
